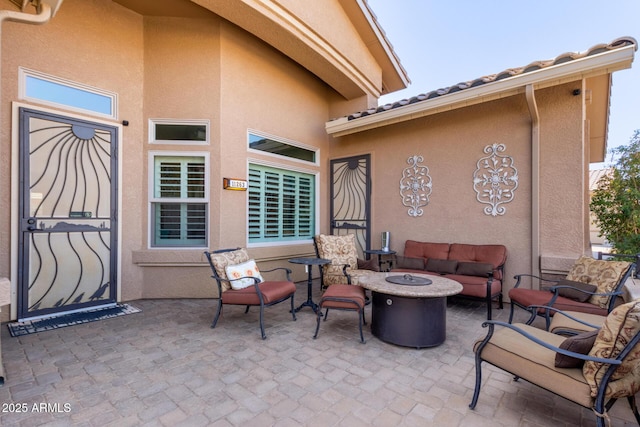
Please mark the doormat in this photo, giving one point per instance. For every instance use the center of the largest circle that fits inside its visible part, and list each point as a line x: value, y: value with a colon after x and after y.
x: 27, y: 327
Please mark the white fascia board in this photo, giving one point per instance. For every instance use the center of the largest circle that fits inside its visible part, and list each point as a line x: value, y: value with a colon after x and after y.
x: 606, y: 62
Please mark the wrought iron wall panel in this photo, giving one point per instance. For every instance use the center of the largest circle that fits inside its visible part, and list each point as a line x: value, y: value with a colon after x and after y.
x: 350, y: 199
x: 68, y: 205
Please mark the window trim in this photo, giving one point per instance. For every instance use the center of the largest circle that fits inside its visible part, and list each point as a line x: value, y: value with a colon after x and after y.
x: 152, y: 131
x: 152, y: 199
x: 24, y: 73
x: 316, y: 202
x: 293, y: 143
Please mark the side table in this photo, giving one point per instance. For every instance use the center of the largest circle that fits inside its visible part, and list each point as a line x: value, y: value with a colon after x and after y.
x: 309, y: 263
x: 380, y: 253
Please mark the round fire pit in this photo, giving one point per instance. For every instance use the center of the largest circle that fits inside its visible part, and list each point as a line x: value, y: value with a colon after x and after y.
x: 408, y: 279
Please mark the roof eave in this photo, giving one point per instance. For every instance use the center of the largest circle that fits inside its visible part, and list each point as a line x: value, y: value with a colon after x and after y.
x: 605, y: 62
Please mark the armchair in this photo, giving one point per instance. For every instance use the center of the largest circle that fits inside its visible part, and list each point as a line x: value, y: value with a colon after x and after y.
x: 609, y: 371
x: 239, y: 282
x: 592, y: 286
x: 345, y: 267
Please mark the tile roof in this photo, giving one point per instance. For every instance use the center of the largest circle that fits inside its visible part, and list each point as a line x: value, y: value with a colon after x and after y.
x: 511, y: 72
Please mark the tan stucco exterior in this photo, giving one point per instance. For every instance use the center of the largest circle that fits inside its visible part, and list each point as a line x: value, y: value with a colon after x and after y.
x: 284, y: 69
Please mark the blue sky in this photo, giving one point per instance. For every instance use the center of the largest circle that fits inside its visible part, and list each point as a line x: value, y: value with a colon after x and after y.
x: 444, y: 42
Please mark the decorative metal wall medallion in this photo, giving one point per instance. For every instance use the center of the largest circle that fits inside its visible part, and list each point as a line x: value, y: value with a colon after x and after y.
x: 415, y: 186
x: 495, y: 180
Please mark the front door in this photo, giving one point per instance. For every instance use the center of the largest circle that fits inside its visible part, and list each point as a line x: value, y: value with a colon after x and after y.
x: 350, y: 199
x: 68, y: 214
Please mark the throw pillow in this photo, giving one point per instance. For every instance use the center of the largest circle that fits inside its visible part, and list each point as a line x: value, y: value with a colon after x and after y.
x: 370, y: 264
x: 410, y: 263
x: 619, y: 328
x: 222, y: 259
x: 474, y: 268
x: 604, y: 274
x: 581, y: 343
x: 247, y: 270
x: 442, y: 266
x: 573, y: 292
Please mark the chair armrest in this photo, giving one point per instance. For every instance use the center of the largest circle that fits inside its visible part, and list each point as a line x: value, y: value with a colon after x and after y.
x: 519, y: 277
x: 548, y: 308
x: 286, y: 270
x: 491, y: 324
x: 555, y: 290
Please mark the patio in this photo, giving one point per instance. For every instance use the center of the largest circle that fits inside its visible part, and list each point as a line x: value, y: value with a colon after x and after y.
x: 165, y: 366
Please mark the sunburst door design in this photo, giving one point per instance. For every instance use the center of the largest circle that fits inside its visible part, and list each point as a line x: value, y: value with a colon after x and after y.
x: 68, y: 214
x: 350, y: 204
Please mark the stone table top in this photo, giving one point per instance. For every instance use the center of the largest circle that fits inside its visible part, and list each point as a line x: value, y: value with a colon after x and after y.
x: 440, y: 286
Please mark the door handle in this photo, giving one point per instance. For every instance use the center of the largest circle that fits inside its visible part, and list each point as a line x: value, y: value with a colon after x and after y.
x: 31, y: 222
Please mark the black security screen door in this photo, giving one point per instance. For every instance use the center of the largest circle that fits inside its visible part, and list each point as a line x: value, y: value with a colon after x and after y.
x: 351, y: 199
x: 68, y: 208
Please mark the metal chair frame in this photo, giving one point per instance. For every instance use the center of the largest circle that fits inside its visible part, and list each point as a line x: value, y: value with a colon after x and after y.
x: 256, y: 285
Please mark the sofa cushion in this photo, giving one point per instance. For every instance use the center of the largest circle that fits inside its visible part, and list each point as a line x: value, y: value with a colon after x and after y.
x: 271, y: 292
x: 581, y: 343
x: 410, y: 263
x: 518, y: 355
x: 604, y: 274
x: 414, y: 249
x: 475, y: 286
x: 572, y: 293
x: 481, y: 269
x: 442, y: 266
x: 495, y: 255
x: 620, y: 326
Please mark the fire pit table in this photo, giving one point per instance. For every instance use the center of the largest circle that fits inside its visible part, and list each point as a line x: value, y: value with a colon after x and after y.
x: 409, y: 310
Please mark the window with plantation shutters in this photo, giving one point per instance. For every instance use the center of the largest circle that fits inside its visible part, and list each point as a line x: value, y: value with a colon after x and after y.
x: 281, y: 205
x: 179, y: 205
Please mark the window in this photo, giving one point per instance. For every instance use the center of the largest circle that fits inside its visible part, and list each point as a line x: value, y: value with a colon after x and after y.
x: 179, y: 131
x: 281, y: 205
x: 291, y: 149
x: 179, y: 201
x: 58, y: 92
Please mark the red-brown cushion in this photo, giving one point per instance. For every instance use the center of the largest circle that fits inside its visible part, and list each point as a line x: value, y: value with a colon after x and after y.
x: 414, y: 249
x: 346, y: 292
x: 474, y: 286
x: 271, y: 291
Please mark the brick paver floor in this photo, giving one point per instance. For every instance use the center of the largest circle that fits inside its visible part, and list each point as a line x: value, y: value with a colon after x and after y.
x: 166, y: 367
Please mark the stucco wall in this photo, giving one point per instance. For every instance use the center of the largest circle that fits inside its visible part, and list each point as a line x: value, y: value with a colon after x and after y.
x: 451, y: 144
x: 96, y: 43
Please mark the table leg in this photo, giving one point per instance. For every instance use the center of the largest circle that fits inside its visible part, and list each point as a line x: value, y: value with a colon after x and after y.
x: 309, y: 302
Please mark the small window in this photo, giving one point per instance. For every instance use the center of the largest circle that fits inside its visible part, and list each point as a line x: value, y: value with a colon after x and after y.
x: 280, y: 148
x: 179, y: 131
x: 58, y: 92
x: 281, y: 205
x: 179, y: 203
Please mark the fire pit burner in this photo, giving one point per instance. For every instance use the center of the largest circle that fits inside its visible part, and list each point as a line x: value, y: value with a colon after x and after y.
x: 408, y: 279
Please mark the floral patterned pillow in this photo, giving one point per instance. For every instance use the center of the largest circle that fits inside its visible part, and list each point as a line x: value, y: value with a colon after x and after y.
x: 236, y: 272
x: 221, y: 260
x: 620, y: 326
x: 604, y: 274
